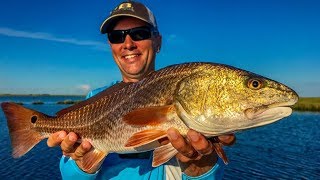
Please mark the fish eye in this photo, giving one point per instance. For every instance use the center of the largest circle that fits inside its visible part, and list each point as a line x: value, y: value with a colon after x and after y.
x: 34, y: 119
x: 255, y: 84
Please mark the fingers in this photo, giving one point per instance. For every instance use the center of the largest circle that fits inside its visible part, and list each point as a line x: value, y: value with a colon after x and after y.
x: 81, y: 150
x: 55, y: 139
x: 227, y: 140
x: 199, y: 142
x: 68, y: 144
x: 181, y: 145
x: 70, y: 147
x: 164, y: 141
x: 197, y: 149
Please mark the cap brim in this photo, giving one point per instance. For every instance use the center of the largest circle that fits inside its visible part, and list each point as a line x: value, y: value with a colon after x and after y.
x: 105, y: 26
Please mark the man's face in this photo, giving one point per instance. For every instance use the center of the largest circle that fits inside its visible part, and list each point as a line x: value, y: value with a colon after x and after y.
x: 135, y: 59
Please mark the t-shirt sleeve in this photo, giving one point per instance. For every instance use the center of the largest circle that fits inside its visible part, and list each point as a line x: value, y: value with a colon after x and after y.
x: 215, y: 173
x: 70, y: 170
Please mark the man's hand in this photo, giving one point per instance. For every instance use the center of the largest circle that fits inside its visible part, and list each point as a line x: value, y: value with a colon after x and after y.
x: 70, y: 147
x: 196, y: 155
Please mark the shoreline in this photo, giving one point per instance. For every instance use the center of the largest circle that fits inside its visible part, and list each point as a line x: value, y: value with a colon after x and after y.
x: 311, y: 104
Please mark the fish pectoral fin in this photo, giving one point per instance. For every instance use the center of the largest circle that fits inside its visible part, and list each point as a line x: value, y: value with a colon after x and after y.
x: 152, y: 116
x: 145, y: 137
x: 92, y: 159
x: 163, y: 154
x: 219, y: 150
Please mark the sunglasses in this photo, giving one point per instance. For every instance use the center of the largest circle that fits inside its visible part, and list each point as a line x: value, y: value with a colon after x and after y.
x: 136, y: 34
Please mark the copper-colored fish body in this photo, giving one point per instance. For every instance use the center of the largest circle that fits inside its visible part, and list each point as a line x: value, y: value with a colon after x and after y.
x: 210, y: 98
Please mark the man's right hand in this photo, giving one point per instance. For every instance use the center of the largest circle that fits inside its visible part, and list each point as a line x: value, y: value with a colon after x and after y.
x: 70, y: 147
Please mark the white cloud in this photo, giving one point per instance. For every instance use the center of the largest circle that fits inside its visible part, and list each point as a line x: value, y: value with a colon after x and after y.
x: 49, y: 37
x: 84, y: 88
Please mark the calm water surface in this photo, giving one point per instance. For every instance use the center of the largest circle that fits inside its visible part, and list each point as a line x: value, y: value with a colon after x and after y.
x: 288, y: 149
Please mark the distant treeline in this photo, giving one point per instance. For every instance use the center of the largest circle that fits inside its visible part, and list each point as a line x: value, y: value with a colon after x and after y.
x: 308, y: 104
x: 68, y: 102
x: 59, y: 102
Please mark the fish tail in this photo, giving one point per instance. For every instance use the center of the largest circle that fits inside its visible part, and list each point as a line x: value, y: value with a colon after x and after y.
x: 20, y: 122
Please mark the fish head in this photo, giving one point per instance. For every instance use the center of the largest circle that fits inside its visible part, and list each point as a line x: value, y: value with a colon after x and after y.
x: 222, y: 99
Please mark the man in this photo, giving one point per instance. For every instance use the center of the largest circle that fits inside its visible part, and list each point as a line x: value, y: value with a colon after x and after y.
x: 135, y: 40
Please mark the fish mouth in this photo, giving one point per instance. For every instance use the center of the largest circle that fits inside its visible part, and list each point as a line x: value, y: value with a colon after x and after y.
x: 268, y: 114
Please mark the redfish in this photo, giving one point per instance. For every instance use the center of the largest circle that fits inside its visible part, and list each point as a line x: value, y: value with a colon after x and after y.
x: 213, y: 99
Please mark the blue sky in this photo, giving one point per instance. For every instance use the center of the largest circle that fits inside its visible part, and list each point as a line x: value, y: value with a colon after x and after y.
x: 55, y: 46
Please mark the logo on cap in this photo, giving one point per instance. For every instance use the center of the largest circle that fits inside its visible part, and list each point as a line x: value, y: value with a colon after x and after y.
x: 124, y: 6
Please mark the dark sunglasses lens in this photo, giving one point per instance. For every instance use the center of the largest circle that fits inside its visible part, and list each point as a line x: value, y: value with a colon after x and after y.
x: 116, y: 37
x: 136, y: 34
x: 140, y: 34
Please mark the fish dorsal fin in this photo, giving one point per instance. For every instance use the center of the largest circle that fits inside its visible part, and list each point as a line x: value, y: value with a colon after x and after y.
x: 107, y: 92
x: 151, y: 116
x: 92, y: 159
x: 163, y: 154
x: 145, y: 137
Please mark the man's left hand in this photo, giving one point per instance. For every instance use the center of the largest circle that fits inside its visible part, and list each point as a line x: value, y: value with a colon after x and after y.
x: 196, y: 155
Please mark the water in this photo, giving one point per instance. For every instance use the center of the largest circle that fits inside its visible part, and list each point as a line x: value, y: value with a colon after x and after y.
x: 288, y: 149
x: 27, y: 100
x: 41, y: 162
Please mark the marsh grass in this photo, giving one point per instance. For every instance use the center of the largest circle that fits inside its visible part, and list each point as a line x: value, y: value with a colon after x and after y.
x: 37, y: 103
x: 68, y: 101
x: 308, y: 104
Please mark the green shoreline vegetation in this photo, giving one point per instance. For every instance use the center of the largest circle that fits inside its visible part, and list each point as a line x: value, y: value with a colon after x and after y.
x: 65, y: 102
x: 304, y: 104
x: 37, y: 102
x: 68, y: 101
x: 308, y: 104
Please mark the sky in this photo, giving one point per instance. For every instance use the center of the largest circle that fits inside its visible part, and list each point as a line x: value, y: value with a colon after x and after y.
x: 55, y: 47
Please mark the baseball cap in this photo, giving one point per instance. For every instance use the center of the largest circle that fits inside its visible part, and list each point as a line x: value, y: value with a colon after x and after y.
x: 132, y: 9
